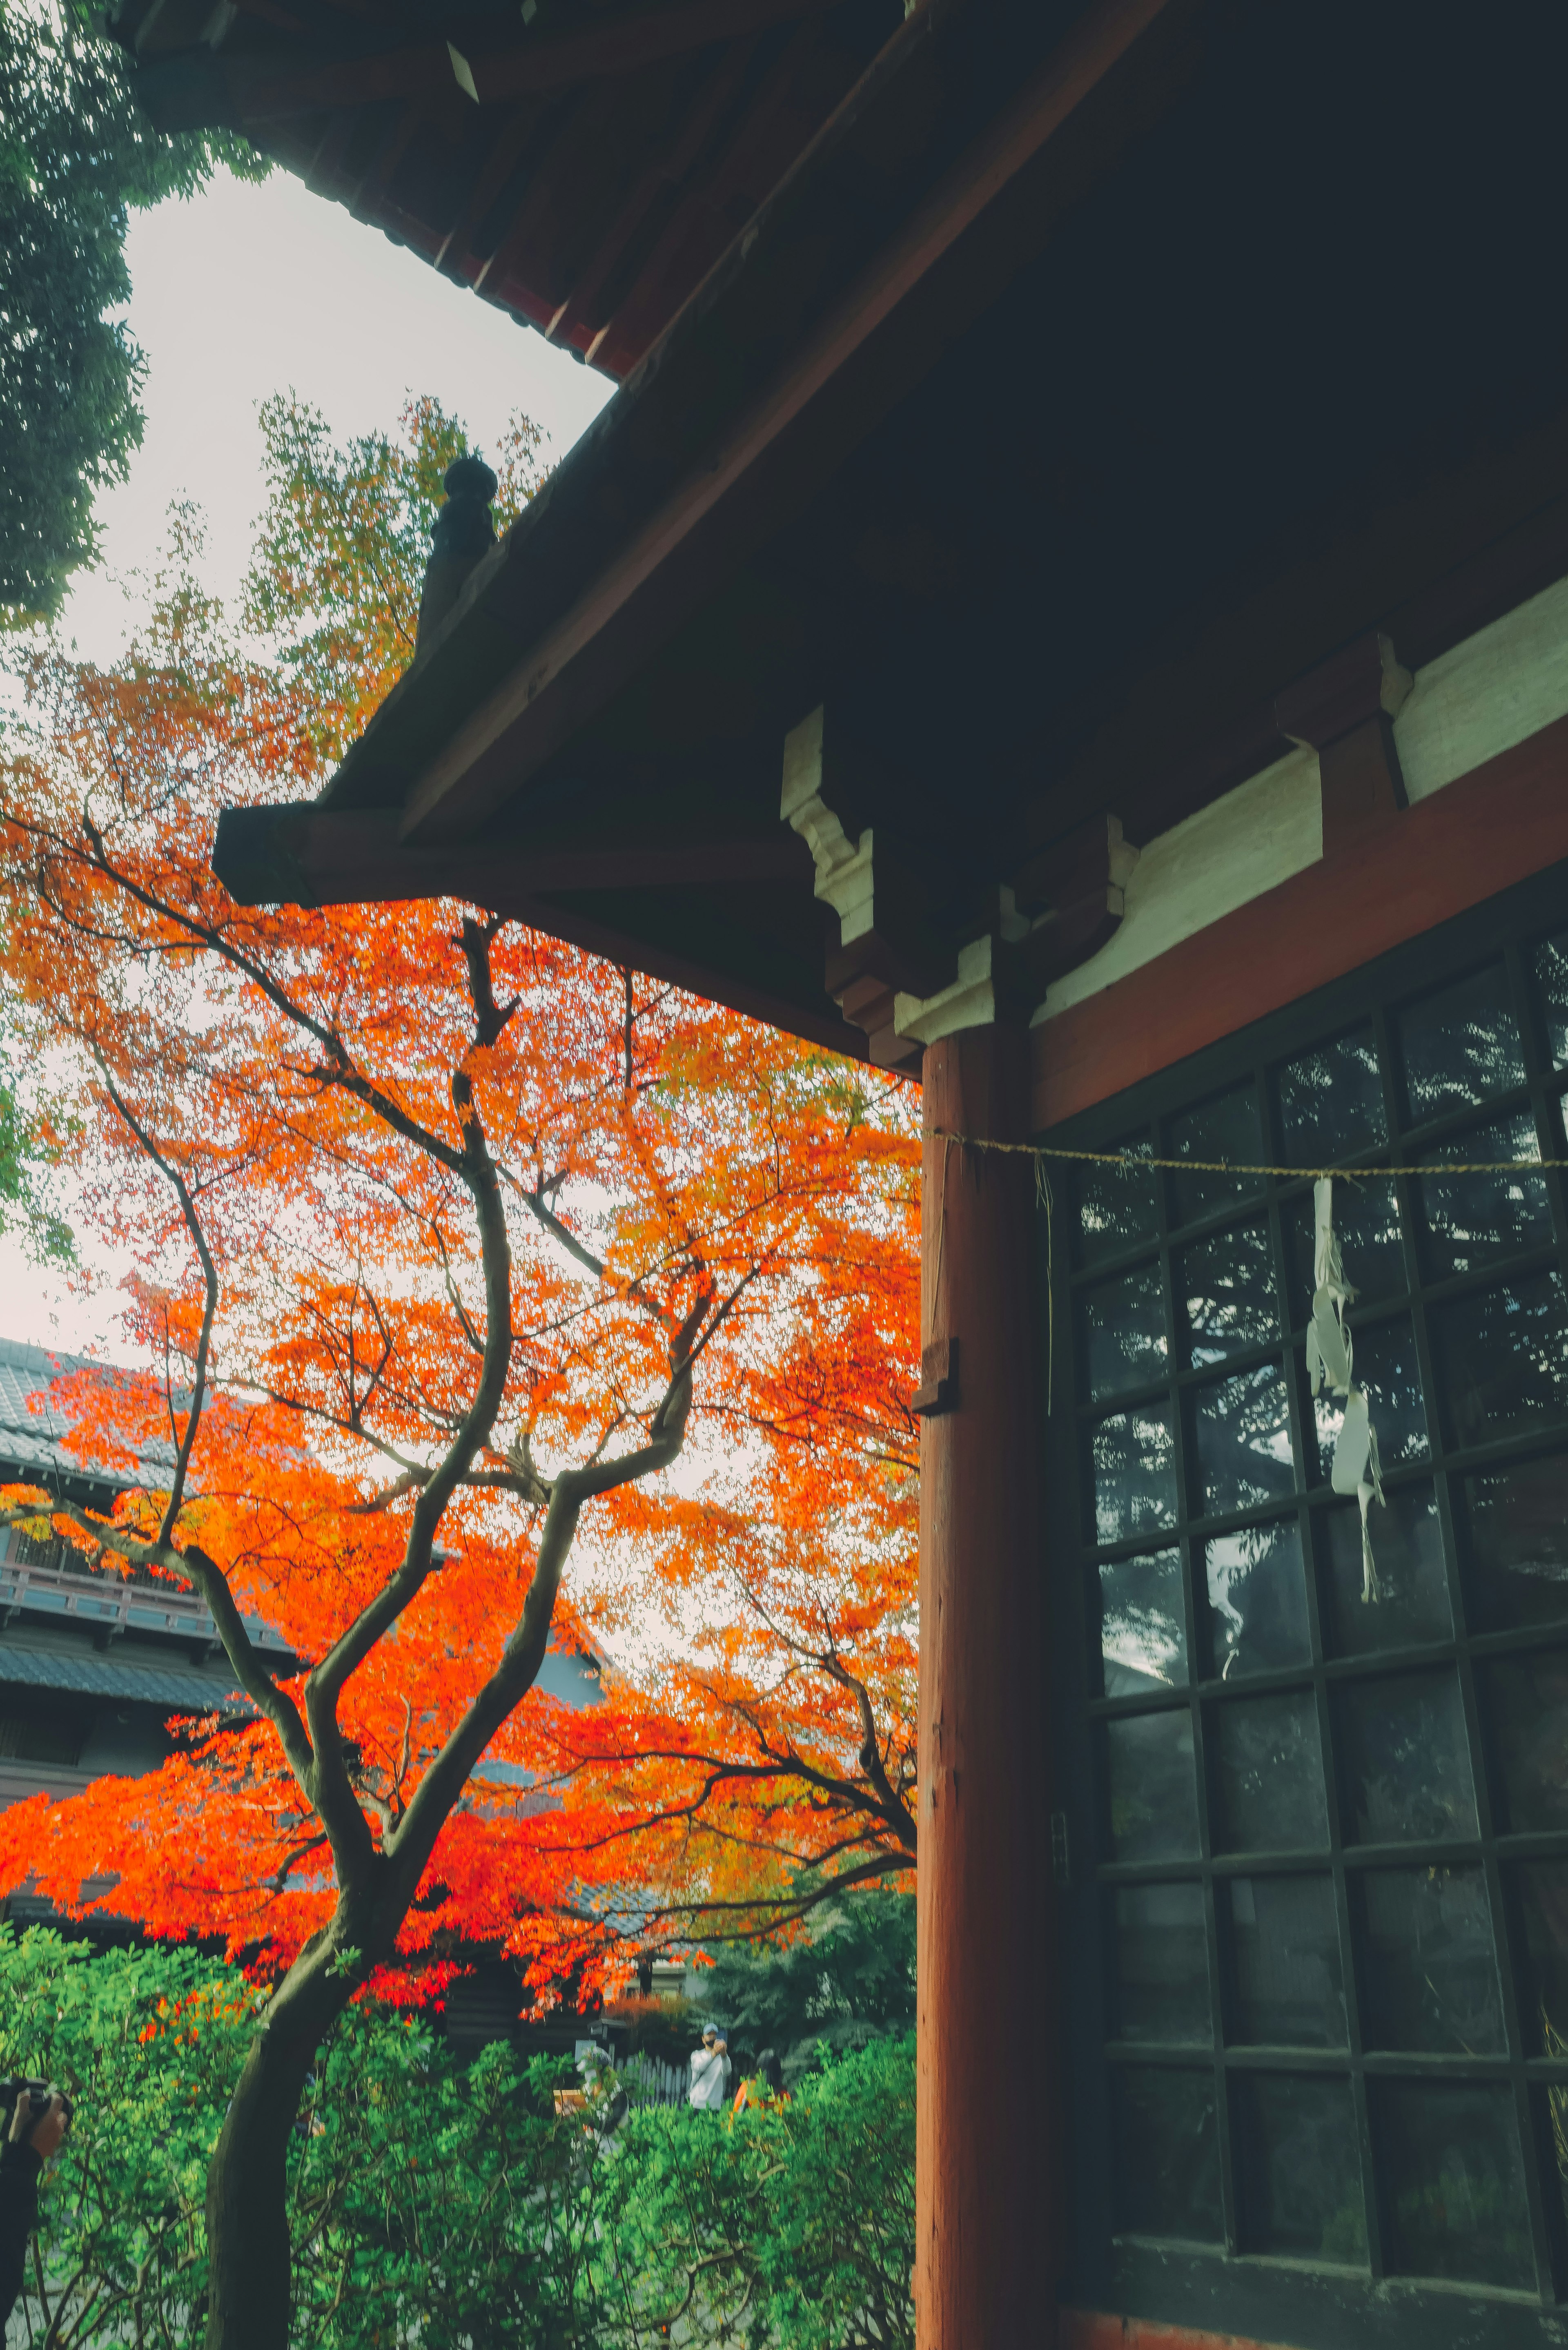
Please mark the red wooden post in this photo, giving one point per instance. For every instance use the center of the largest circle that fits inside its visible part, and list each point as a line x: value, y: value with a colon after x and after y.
x: 985, y: 2267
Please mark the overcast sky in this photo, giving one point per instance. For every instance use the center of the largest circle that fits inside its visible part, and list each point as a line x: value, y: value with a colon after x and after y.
x: 243, y: 291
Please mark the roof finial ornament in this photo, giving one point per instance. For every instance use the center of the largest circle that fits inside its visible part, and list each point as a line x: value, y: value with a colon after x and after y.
x: 464, y: 531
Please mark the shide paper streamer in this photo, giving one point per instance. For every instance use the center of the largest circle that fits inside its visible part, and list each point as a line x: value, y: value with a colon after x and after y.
x: 1330, y: 1356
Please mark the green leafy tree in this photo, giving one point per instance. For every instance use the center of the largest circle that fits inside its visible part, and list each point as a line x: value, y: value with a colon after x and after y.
x: 854, y: 1976
x: 76, y: 153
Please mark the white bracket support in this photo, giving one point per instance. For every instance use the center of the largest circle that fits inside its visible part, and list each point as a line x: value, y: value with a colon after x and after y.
x: 845, y: 880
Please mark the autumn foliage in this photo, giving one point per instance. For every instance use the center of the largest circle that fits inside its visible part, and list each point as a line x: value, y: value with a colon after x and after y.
x: 437, y: 1225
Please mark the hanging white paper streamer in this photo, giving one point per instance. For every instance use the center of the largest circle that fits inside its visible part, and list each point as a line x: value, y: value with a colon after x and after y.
x: 1330, y: 1355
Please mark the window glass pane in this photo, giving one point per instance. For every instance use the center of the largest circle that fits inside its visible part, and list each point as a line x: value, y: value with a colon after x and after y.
x: 1459, y: 1045
x: 1227, y: 1285
x: 1384, y: 1363
x: 1153, y: 1792
x: 1468, y: 1220
x: 1429, y: 1961
x: 1116, y: 1204
x: 1124, y: 1333
x: 1134, y: 1464
x: 1287, y: 1988
x: 1242, y: 1436
x: 1162, y: 1964
x: 1143, y: 1627
x: 1228, y: 1129
x: 1411, y: 1602
x: 1331, y: 1101
x: 1541, y: 1890
x: 1503, y: 1358
x: 1167, y: 2153
x: 1257, y: 1600
x: 1517, y: 1526
x: 1552, y: 979
x: 1268, y: 1775
x: 1455, y: 2181
x: 1297, y: 2169
x: 1527, y: 1703
x: 1405, y: 1763
x: 1367, y: 1221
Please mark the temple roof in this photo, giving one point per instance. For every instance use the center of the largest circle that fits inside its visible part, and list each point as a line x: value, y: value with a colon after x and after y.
x: 579, y: 163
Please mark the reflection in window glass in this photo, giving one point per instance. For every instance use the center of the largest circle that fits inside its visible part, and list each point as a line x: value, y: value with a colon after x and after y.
x: 1503, y: 1358
x: 1242, y: 1435
x: 1367, y: 1219
x: 1124, y: 1333
x: 1384, y: 1364
x: 1229, y: 1129
x: 1456, y: 2201
x: 1331, y: 1101
x: 1268, y: 1775
x: 1527, y: 1701
x: 1153, y: 1792
x: 1459, y: 1045
x: 1134, y: 1464
x: 1287, y: 1985
x: 1297, y: 2167
x: 1551, y: 961
x: 1517, y: 1522
x: 1468, y: 1220
x: 1167, y: 2153
x: 1116, y: 1204
x: 1540, y: 1892
x: 1405, y: 1761
x: 1162, y: 1964
x: 1430, y: 1961
x: 1412, y: 1602
x: 1257, y: 1600
x: 1143, y: 1626
x: 1227, y: 1285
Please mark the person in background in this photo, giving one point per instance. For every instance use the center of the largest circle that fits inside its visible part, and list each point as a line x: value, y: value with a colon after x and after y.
x: 34, y: 2139
x: 709, y: 2073
x: 764, y: 2088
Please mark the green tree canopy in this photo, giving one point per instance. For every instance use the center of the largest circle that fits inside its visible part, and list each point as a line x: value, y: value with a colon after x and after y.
x: 76, y: 153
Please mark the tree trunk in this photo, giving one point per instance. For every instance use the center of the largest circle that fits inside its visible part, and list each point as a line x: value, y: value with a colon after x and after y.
x: 247, y: 2187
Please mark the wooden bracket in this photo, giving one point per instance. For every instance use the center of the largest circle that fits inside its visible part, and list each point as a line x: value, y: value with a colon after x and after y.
x: 938, y: 1388
x: 1346, y: 710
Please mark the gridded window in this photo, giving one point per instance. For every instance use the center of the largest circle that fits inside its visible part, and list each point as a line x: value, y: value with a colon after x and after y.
x: 1329, y: 1842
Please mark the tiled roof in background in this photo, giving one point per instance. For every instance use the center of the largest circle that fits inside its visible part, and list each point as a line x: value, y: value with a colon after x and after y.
x: 31, y: 1440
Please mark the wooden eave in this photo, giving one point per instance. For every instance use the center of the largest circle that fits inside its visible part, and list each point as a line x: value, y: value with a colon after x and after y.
x: 899, y: 455
x: 583, y: 170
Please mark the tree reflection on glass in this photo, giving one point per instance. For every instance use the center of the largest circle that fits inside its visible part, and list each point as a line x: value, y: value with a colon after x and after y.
x: 1162, y: 1964
x: 1503, y: 1358
x: 1412, y: 1603
x: 1153, y: 1792
x: 1287, y: 1981
x: 1459, y: 1045
x: 1298, y: 2169
x: 1367, y: 1219
x: 1116, y: 1204
x: 1527, y: 1701
x: 1257, y: 1599
x: 1550, y: 965
x: 1331, y: 1102
x: 1134, y: 1464
x: 1517, y: 1523
x: 1227, y: 1287
x: 1268, y: 1775
x: 1242, y: 1435
x: 1229, y: 1129
x: 1143, y: 1627
x: 1124, y: 1333
x: 1388, y: 1367
x: 1167, y: 2153
x: 1429, y: 1961
x: 1468, y: 1220
x: 1405, y: 1759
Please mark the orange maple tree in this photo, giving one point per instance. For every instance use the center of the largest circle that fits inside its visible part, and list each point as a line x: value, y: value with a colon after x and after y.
x: 445, y: 1235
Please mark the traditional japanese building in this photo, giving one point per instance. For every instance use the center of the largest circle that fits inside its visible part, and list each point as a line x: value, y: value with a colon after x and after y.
x: 1073, y: 604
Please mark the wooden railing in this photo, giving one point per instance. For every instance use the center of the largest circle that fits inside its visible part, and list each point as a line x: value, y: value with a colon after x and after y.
x: 106, y: 1604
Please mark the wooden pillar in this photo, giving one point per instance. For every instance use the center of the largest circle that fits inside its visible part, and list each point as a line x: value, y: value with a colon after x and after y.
x: 985, y: 2269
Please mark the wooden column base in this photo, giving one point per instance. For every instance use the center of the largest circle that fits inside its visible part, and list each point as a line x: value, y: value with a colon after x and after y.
x: 985, y: 2269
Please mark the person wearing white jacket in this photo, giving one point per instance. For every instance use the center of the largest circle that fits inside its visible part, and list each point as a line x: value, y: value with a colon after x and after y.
x: 709, y: 2073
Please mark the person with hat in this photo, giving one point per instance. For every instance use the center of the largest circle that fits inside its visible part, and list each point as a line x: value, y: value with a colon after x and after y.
x: 709, y: 2073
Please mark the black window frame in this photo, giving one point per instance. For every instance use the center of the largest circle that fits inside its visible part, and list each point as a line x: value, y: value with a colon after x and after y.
x: 1232, y: 2289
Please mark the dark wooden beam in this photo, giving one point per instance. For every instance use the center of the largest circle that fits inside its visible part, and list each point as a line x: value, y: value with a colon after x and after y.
x: 924, y: 288
x: 308, y: 856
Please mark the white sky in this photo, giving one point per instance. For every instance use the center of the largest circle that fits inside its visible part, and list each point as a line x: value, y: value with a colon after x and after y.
x: 243, y: 291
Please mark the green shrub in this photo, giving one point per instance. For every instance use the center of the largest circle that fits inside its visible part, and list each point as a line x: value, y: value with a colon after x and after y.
x: 446, y: 2206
